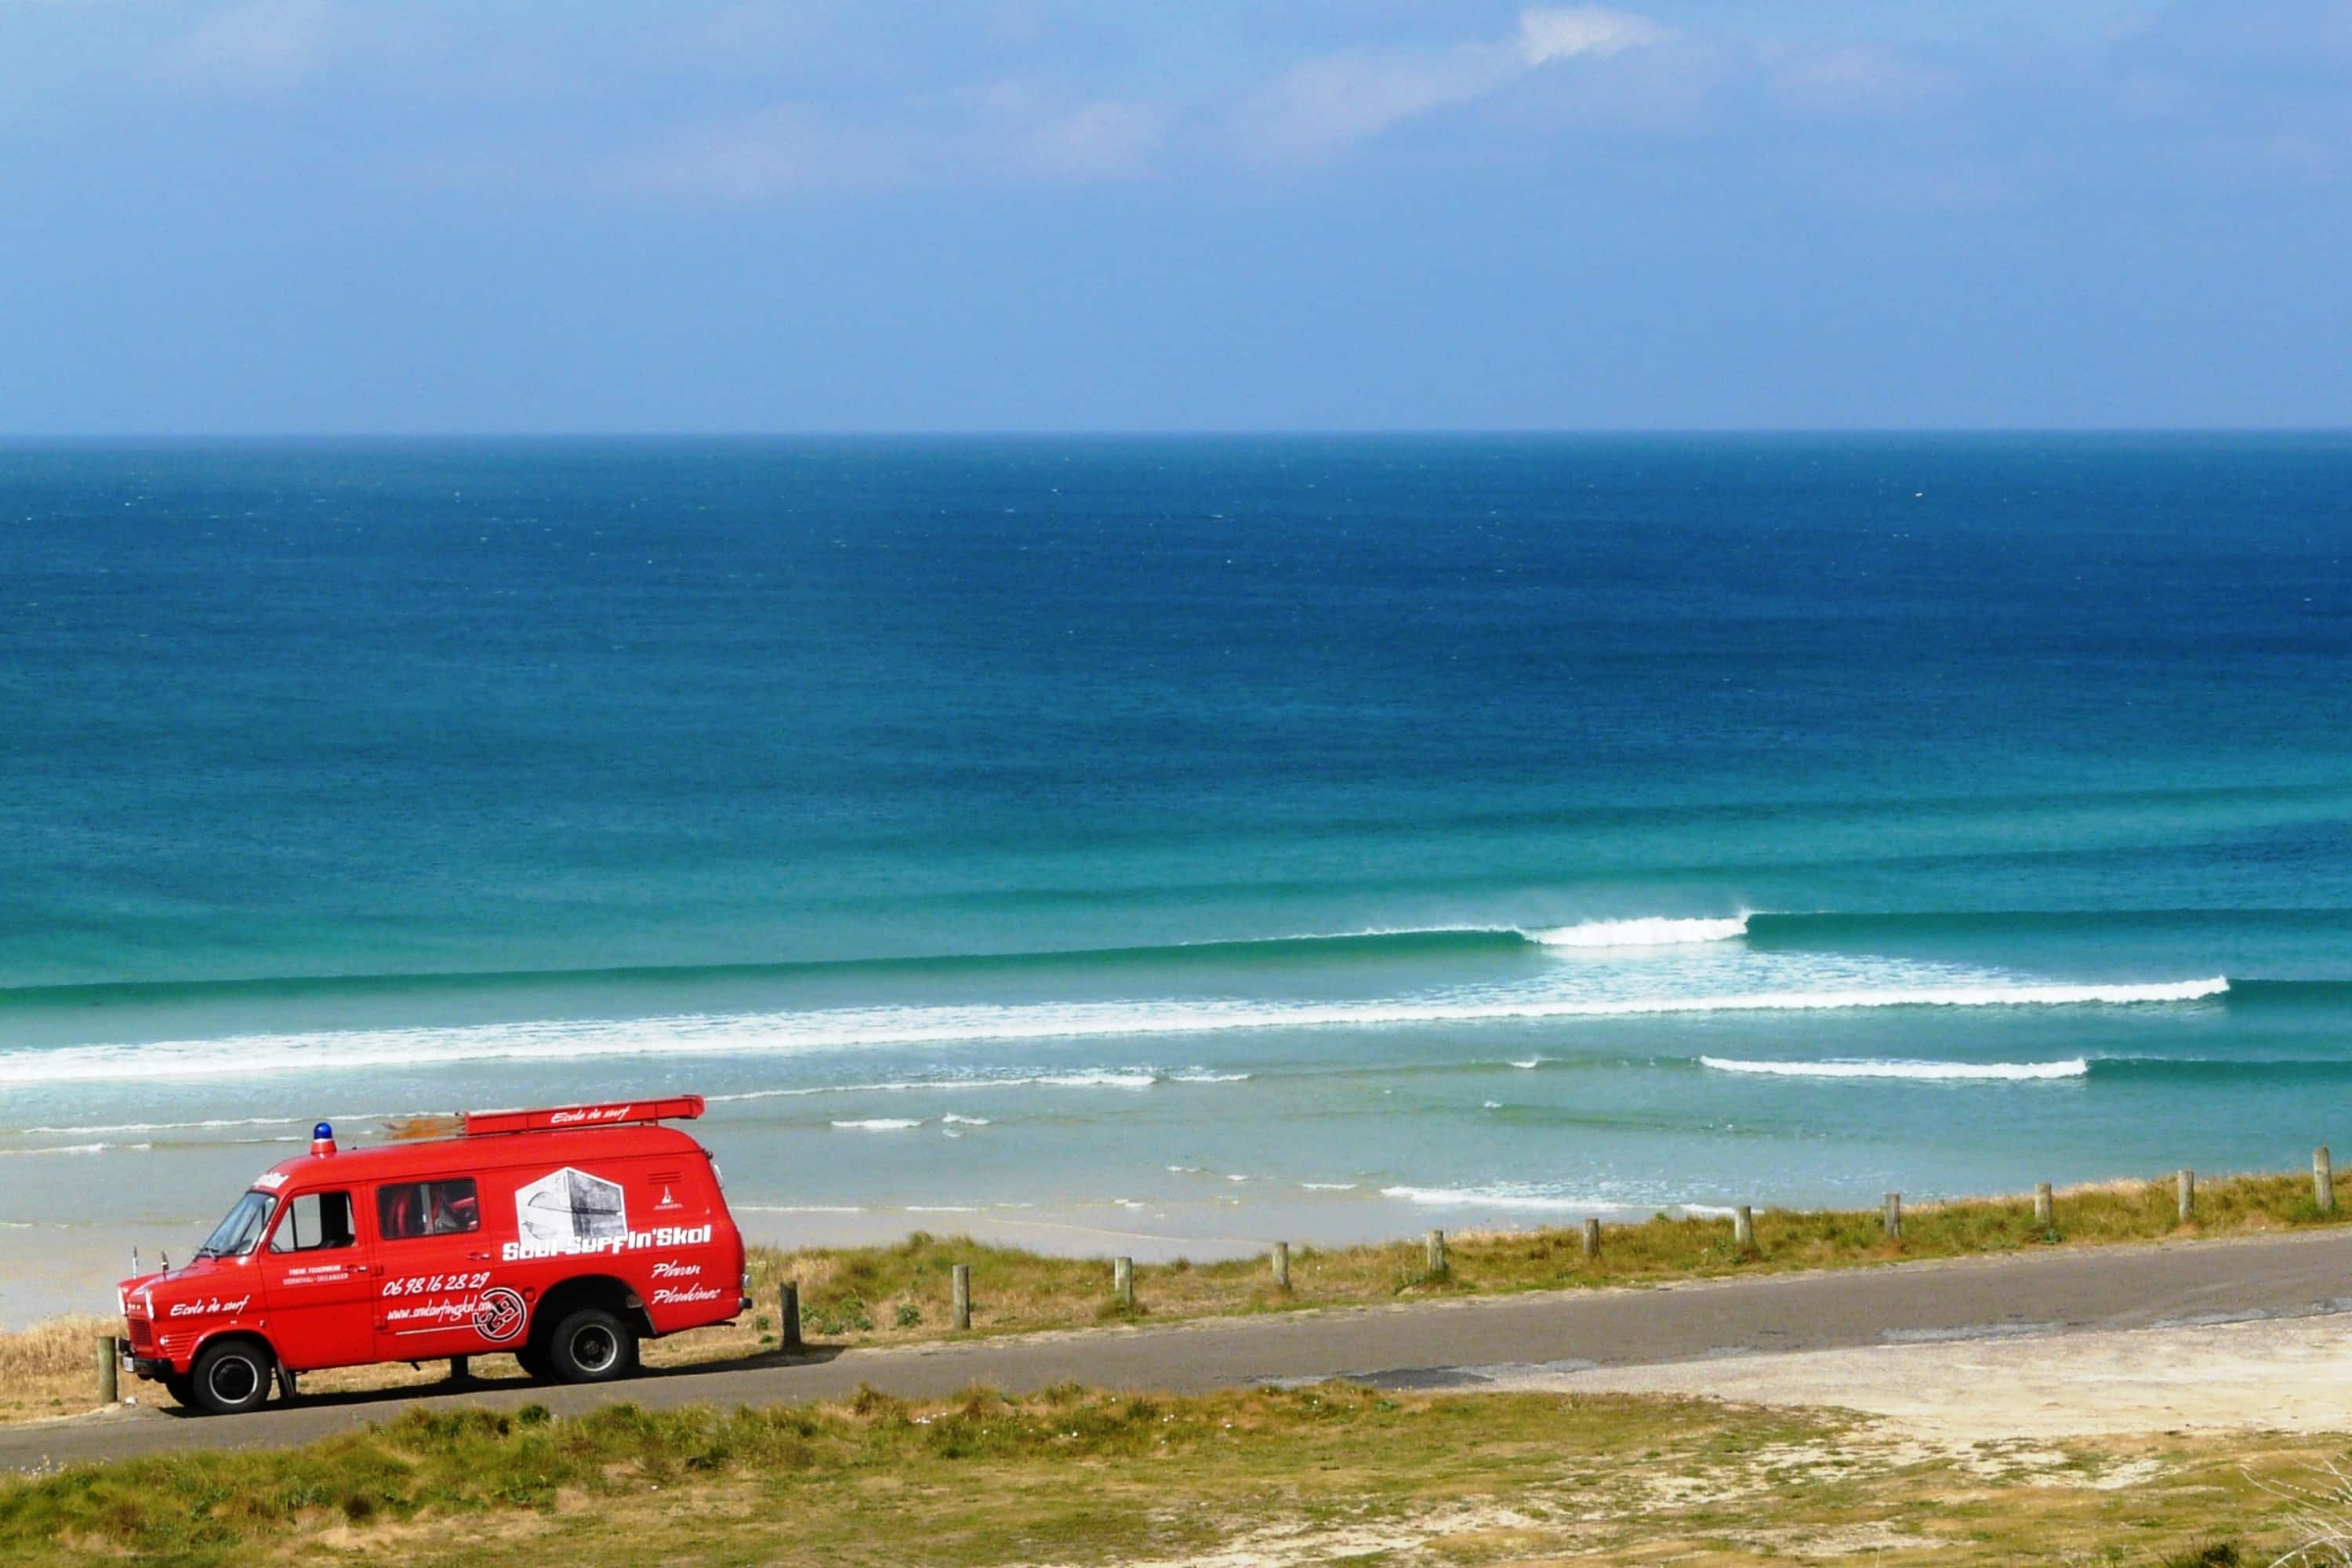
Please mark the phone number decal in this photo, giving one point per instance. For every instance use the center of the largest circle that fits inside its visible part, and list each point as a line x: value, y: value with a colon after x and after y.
x: 429, y: 1284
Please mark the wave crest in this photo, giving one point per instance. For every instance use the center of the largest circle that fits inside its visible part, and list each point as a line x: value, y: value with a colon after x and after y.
x: 784, y: 1034
x: 1652, y: 931
x: 1922, y: 1071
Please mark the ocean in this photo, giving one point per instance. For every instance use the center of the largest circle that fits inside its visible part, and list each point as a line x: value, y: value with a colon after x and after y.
x: 1162, y: 845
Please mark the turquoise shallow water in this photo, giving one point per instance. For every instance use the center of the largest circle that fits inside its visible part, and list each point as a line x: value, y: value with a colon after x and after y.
x: 1676, y: 821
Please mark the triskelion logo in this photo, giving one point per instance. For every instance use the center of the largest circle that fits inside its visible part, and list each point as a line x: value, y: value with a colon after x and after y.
x: 498, y: 1315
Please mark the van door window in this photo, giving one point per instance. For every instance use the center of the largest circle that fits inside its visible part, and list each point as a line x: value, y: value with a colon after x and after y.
x: 314, y: 1222
x: 407, y: 1209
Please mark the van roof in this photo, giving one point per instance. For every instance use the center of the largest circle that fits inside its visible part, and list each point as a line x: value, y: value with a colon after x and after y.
x: 427, y: 1158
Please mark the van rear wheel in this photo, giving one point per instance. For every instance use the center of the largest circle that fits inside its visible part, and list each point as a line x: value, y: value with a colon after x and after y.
x: 592, y: 1345
x: 231, y: 1377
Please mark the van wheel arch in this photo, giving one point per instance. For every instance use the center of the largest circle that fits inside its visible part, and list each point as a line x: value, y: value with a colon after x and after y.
x: 220, y: 1348
x: 586, y: 1290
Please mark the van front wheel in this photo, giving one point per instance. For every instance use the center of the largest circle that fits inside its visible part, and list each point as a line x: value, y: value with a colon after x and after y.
x: 592, y: 1345
x: 231, y: 1377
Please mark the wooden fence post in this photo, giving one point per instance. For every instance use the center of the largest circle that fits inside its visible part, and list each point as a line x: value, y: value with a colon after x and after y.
x: 2323, y: 1180
x: 2186, y: 1184
x: 961, y: 1285
x: 1591, y: 1241
x: 1282, y: 1265
x: 1437, y: 1244
x: 1893, y: 1220
x: 1122, y: 1280
x: 108, y: 1362
x: 1743, y: 1229
x: 2044, y: 1210
x: 787, y: 1316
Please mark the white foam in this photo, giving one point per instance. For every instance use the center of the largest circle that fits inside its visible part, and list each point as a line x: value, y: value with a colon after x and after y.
x: 1529, y: 1064
x: 1139, y: 1078
x: 877, y: 1124
x: 2075, y: 1067
x: 1500, y: 1197
x: 797, y: 1208
x: 1653, y: 931
x: 176, y: 1126
x: 941, y: 1208
x: 966, y: 1120
x: 1490, y: 1105
x: 850, y: 1028
x: 1208, y: 1077
x: 68, y: 1149
x: 1328, y: 1187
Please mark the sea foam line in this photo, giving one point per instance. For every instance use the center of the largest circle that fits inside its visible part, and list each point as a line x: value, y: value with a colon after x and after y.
x: 851, y: 1028
x: 1141, y: 1078
x: 1917, y: 1072
x: 1494, y: 1197
x: 69, y: 1149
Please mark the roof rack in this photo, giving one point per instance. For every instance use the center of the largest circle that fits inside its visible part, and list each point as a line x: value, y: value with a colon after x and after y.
x: 556, y: 1118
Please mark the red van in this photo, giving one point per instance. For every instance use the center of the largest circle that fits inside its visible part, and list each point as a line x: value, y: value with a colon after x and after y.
x: 564, y: 1237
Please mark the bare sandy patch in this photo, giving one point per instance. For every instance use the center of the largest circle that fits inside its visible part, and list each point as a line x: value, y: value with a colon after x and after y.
x: 2285, y: 1375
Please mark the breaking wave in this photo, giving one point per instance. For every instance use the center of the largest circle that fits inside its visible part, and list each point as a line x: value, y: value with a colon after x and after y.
x: 854, y: 1029
x: 1932, y: 1072
x: 1652, y: 932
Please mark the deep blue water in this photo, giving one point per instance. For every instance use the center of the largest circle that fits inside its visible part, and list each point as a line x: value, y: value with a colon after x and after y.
x: 651, y: 749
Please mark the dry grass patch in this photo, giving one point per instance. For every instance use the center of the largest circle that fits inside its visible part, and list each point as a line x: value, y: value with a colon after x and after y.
x: 899, y: 1292
x: 51, y: 1368
x: 1260, y: 1478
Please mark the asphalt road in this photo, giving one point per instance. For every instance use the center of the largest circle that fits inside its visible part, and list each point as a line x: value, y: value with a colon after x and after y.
x: 1427, y: 1345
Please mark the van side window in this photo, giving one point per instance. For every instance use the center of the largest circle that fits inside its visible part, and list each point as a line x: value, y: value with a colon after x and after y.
x: 314, y: 1222
x: 405, y: 1209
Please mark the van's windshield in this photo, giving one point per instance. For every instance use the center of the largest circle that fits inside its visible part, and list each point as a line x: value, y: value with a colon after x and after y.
x: 238, y: 1235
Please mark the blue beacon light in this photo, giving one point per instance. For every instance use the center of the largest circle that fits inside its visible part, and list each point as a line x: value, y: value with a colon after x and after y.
x: 322, y: 1139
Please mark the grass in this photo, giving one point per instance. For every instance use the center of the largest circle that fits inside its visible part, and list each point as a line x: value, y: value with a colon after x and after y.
x: 1070, y: 1475
x: 898, y: 1293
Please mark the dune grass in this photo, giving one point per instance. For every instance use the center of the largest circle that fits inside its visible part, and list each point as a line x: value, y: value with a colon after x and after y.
x: 1263, y: 1478
x: 899, y: 1292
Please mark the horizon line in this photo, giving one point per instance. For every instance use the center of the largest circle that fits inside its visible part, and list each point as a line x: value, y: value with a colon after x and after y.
x: 878, y: 433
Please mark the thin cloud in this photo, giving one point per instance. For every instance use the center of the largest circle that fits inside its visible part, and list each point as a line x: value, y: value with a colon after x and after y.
x: 1000, y: 130
x: 1565, y: 33
x: 259, y: 42
x: 1325, y: 105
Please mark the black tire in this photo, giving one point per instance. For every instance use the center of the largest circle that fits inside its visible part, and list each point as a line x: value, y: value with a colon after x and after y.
x: 533, y: 1362
x: 592, y: 1345
x: 232, y: 1376
x: 182, y: 1390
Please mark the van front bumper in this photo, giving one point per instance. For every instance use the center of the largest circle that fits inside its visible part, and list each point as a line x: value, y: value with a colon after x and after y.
x: 155, y: 1369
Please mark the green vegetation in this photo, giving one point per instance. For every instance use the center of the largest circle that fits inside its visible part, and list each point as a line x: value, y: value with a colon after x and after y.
x: 1071, y: 1476
x: 898, y: 1292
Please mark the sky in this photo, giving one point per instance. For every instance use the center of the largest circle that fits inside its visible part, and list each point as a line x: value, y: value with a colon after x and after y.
x: 574, y: 215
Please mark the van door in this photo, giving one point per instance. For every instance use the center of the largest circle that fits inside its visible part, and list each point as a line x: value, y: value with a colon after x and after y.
x: 437, y: 1297
x: 318, y: 1282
